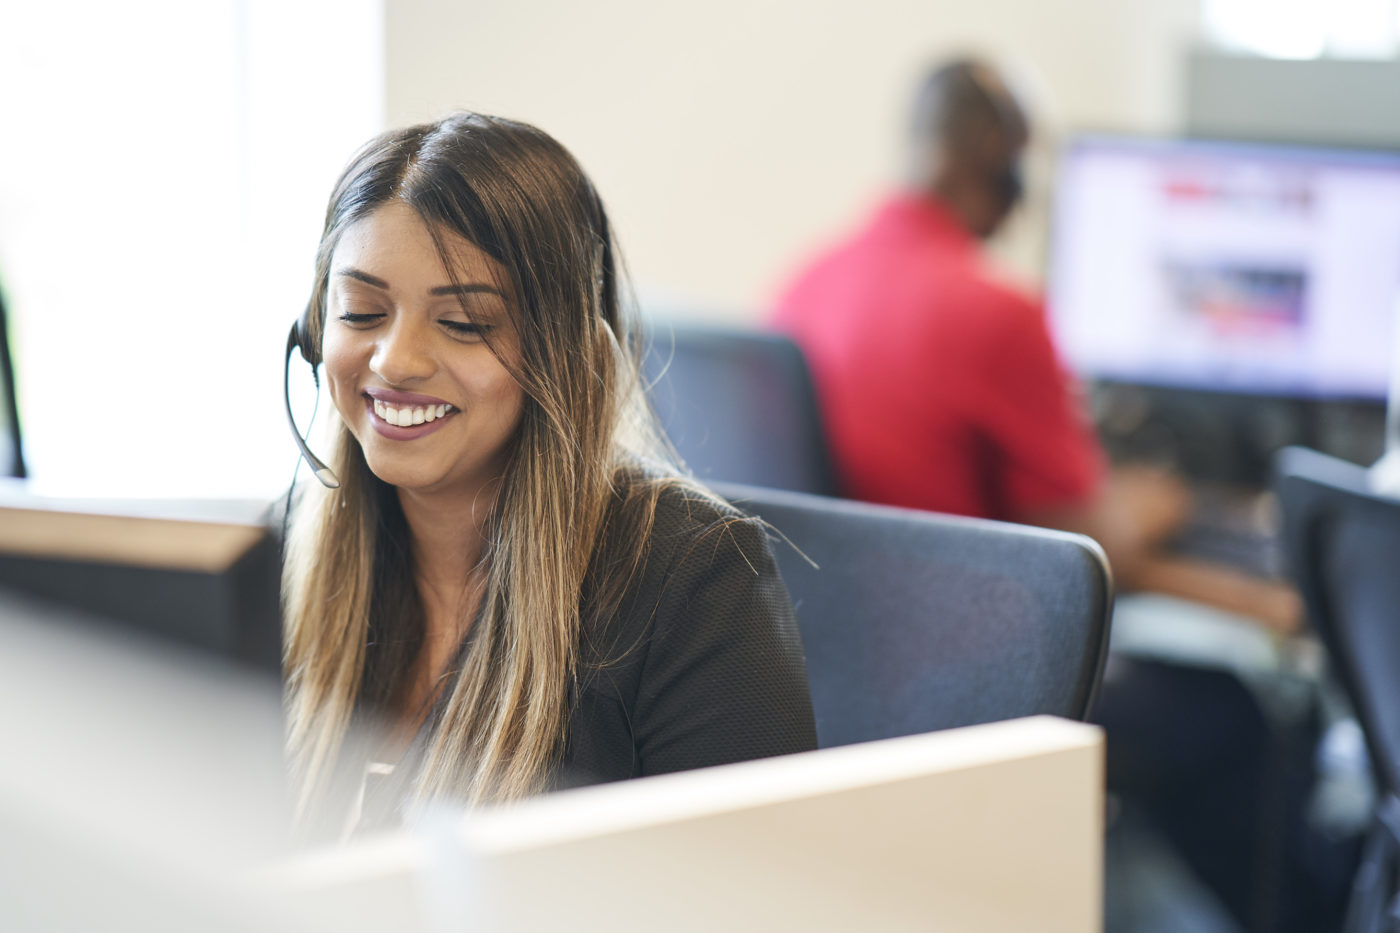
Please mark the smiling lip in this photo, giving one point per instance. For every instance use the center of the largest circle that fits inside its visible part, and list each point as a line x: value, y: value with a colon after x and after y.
x: 403, y: 399
x: 405, y: 405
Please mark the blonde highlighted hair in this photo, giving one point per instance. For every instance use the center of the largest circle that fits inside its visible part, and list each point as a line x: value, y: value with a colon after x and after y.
x: 559, y: 544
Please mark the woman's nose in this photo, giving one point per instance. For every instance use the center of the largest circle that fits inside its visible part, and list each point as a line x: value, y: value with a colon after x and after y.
x: 403, y: 354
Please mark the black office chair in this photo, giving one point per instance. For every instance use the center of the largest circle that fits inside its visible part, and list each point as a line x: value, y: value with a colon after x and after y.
x: 738, y: 406
x: 913, y: 621
x: 1342, y: 542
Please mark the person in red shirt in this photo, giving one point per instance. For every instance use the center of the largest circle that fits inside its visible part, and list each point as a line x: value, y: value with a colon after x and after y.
x: 941, y: 389
x: 939, y: 382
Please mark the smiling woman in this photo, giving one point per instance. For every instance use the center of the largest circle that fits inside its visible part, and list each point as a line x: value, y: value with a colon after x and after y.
x: 511, y: 579
x: 399, y: 326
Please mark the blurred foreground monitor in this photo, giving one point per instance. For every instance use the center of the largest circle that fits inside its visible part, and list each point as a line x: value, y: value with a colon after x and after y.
x: 142, y: 714
x: 198, y: 575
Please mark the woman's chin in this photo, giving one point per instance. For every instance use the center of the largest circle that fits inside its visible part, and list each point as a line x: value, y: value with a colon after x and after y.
x: 408, y: 477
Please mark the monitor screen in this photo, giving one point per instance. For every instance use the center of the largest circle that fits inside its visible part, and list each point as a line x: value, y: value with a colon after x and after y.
x: 1252, y: 269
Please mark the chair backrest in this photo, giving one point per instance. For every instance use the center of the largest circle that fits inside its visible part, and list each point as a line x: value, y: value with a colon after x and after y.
x: 739, y: 406
x: 1342, y: 542
x: 913, y: 621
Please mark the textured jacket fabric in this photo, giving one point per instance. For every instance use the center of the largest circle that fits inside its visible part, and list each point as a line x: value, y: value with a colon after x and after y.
x: 703, y: 663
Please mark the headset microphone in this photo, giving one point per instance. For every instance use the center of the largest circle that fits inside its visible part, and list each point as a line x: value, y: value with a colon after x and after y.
x: 323, y: 472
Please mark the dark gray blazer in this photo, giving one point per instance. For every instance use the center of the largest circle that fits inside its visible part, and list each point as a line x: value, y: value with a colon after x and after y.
x: 703, y: 663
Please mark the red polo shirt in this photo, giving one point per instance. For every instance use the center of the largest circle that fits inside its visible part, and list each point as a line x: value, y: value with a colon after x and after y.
x: 939, y: 384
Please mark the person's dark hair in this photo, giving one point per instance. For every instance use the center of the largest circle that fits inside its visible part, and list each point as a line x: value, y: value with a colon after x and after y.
x: 967, y: 135
x: 354, y: 619
x: 962, y: 100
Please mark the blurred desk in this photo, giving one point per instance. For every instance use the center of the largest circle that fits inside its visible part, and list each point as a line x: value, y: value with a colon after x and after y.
x: 1154, y: 626
x: 1272, y: 604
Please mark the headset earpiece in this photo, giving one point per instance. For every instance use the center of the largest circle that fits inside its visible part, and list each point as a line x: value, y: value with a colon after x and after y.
x: 299, y: 339
x: 304, y: 338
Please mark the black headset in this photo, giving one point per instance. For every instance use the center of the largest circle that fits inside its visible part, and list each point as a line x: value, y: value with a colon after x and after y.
x: 301, y: 338
x: 1010, y: 183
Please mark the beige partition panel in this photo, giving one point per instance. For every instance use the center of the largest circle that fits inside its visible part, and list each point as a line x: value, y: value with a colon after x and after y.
x: 995, y: 827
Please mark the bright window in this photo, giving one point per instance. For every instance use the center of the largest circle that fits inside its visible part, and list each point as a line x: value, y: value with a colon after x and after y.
x: 1304, y: 28
x: 162, y: 186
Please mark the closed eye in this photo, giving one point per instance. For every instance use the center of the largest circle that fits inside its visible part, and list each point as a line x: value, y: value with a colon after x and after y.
x: 354, y: 319
x: 466, y: 329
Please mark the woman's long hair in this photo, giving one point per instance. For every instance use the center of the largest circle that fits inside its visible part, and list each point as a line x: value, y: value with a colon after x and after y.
x: 354, y: 621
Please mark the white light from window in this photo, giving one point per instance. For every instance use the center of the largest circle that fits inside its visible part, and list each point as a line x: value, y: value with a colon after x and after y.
x: 1304, y: 28
x: 1362, y: 28
x: 161, y: 190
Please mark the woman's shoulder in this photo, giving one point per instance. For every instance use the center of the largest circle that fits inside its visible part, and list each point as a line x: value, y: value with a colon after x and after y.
x: 666, y: 533
x: 701, y: 571
x: 702, y: 663
x: 684, y: 512
x: 692, y: 509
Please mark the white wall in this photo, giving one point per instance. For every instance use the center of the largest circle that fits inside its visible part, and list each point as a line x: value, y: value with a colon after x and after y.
x: 731, y: 138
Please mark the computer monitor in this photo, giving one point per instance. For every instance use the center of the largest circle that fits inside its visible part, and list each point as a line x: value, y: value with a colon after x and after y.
x: 199, y: 575
x: 141, y: 782
x: 1249, y: 269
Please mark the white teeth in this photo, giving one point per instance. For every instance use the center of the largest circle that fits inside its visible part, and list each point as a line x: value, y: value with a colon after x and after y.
x: 405, y: 417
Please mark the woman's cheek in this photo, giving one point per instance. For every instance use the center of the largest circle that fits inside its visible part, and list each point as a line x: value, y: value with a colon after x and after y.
x: 341, y: 375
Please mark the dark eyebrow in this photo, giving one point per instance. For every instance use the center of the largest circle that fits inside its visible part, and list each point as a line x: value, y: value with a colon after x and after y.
x: 351, y: 272
x: 469, y: 288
